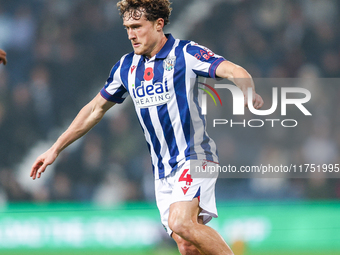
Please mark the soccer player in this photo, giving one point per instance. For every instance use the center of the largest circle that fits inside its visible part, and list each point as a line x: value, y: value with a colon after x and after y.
x: 3, y: 57
x: 157, y: 75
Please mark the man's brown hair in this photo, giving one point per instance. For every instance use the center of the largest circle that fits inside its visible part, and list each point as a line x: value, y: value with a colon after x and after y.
x: 152, y: 9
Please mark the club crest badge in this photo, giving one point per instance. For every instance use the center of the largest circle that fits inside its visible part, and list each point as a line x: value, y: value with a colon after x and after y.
x: 169, y: 63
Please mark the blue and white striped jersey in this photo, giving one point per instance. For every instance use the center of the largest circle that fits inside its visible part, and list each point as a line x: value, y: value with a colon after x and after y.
x: 165, y: 96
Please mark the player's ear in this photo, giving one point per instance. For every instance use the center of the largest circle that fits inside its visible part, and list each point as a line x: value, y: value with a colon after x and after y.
x: 159, y: 24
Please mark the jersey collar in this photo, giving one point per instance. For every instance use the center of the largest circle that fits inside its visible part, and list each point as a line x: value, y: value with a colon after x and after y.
x: 164, y: 52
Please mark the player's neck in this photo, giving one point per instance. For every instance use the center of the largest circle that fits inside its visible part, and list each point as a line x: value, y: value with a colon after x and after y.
x: 158, y: 47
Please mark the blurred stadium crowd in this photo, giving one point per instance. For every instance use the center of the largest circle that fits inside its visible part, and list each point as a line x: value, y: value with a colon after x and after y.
x: 60, y: 53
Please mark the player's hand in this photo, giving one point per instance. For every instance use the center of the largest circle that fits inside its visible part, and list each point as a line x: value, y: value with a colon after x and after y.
x: 3, y: 57
x: 42, y: 162
x: 257, y: 100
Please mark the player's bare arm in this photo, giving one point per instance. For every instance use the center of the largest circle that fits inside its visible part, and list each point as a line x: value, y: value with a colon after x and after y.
x: 241, y: 78
x: 3, y: 58
x: 86, y: 119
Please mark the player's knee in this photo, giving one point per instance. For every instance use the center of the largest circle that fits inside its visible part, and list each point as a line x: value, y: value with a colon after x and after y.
x: 180, y: 226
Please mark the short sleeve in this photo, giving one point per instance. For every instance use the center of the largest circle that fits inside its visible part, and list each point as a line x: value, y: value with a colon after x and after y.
x: 204, y: 61
x: 114, y: 89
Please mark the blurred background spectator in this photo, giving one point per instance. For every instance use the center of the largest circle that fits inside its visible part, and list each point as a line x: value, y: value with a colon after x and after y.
x: 60, y: 54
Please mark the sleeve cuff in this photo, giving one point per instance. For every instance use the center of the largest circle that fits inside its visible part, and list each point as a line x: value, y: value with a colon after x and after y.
x: 213, y: 67
x: 110, y: 97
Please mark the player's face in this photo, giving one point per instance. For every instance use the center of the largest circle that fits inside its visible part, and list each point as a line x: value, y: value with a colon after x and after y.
x: 143, y: 35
